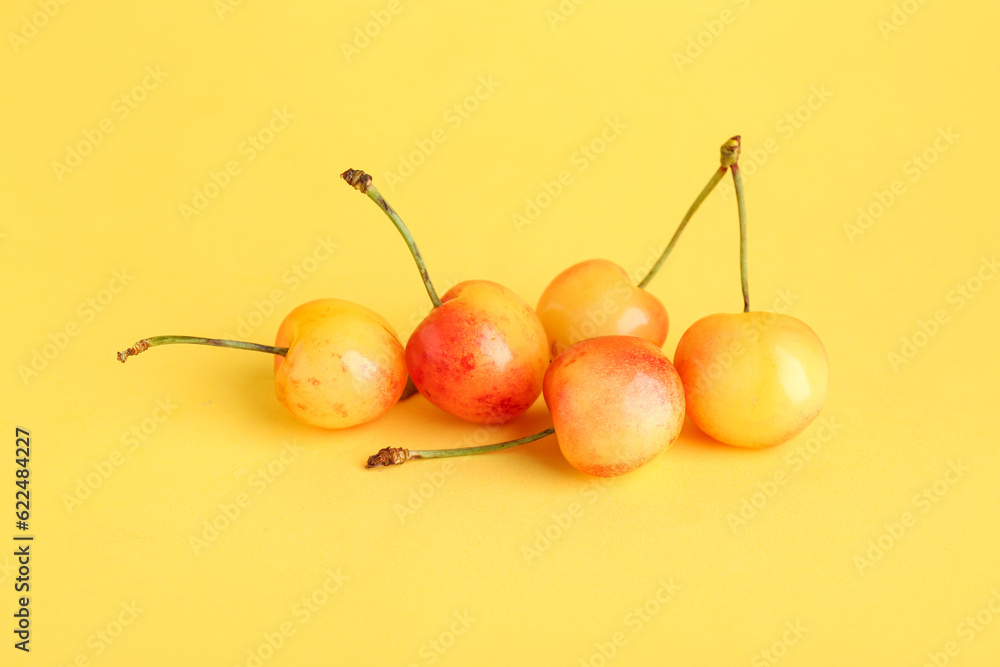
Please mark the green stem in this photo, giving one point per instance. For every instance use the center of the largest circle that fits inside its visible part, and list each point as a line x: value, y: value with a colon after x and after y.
x: 362, y: 182
x: 147, y: 343
x: 390, y: 456
x: 728, y: 154
x: 742, y: 206
x: 716, y: 177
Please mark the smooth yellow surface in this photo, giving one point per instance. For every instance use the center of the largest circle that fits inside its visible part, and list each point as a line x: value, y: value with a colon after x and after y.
x: 514, y: 145
x: 598, y: 298
x: 344, y: 364
x: 755, y: 379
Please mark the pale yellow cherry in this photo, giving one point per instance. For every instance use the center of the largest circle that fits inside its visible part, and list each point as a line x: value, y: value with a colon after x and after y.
x: 336, y: 364
x: 598, y: 298
x: 752, y: 379
x: 344, y: 364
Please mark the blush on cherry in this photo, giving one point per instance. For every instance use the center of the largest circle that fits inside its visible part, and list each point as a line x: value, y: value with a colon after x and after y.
x: 481, y: 353
x: 616, y: 402
x: 336, y: 364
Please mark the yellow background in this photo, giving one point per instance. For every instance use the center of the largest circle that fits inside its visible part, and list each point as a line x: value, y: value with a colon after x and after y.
x: 407, y: 576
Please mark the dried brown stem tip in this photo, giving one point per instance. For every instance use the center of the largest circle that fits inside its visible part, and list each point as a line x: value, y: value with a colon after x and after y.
x: 730, y: 151
x: 388, y: 456
x: 141, y: 346
x: 357, y: 179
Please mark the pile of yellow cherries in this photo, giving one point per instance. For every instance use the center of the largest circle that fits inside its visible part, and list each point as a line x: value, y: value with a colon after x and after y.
x: 749, y: 379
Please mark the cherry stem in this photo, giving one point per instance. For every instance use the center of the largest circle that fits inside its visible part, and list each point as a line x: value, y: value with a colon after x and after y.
x: 390, y: 456
x: 362, y: 182
x: 742, y: 206
x: 729, y: 152
x: 147, y: 343
x: 409, y: 390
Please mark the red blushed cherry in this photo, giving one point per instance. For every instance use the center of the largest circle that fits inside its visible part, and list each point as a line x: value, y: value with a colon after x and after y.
x: 616, y: 402
x: 481, y: 355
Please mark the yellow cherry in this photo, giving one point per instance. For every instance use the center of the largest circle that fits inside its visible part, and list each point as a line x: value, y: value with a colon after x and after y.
x: 752, y: 379
x: 344, y: 364
x: 336, y: 364
x: 598, y: 298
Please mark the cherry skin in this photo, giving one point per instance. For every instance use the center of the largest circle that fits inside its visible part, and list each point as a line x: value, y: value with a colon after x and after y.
x: 344, y: 364
x: 616, y: 402
x: 598, y: 298
x: 481, y: 355
x: 752, y: 379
